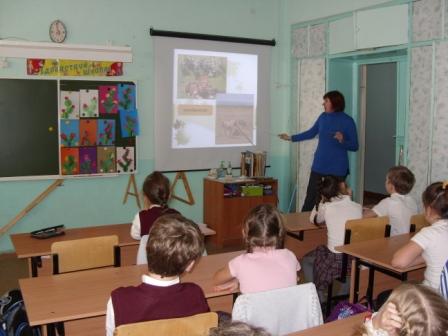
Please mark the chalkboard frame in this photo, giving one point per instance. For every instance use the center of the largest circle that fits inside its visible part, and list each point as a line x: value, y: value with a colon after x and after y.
x: 27, y: 141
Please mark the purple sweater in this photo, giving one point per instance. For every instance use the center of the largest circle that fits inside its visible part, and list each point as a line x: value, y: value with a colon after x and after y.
x: 148, y: 217
x: 147, y: 302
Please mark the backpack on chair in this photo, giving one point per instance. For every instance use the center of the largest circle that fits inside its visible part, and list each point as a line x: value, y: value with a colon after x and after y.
x: 13, y: 319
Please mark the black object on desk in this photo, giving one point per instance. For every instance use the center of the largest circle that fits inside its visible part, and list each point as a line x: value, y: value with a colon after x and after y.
x: 48, y: 232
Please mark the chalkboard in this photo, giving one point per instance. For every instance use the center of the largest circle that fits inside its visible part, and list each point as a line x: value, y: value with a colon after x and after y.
x: 29, y: 125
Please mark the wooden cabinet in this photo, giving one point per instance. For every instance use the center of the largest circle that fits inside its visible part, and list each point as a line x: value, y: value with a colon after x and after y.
x: 226, y: 206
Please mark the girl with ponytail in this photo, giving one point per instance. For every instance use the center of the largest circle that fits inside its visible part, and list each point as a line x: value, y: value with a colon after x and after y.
x: 430, y: 245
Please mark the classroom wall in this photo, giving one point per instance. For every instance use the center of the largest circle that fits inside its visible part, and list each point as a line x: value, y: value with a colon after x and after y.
x: 96, y: 201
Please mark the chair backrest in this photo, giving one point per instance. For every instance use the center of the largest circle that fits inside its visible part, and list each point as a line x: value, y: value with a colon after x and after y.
x: 196, y: 325
x: 280, y: 311
x: 358, y: 230
x: 444, y: 281
x: 418, y: 222
x: 83, y: 254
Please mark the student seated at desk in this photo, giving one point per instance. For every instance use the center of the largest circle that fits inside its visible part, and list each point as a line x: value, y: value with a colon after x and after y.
x: 267, y: 264
x: 175, y: 243
x: 430, y: 244
x: 324, y: 264
x: 400, y: 206
x: 411, y: 310
x: 156, y: 193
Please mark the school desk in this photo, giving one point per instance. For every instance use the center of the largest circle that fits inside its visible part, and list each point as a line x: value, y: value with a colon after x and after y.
x: 33, y: 249
x: 80, y: 295
x: 297, y: 223
x: 376, y: 255
x: 344, y: 327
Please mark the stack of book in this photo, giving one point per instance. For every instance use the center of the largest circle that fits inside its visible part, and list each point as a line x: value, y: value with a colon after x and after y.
x: 253, y: 164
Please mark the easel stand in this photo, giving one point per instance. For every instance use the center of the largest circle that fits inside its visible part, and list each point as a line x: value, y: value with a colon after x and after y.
x: 182, y: 176
x: 134, y: 193
x: 30, y: 206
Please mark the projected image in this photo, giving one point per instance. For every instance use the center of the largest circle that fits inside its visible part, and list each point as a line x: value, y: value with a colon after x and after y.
x: 201, y: 77
x: 214, y: 101
x: 234, y: 118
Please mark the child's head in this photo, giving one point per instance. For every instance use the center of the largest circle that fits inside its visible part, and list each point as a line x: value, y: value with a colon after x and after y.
x: 237, y: 329
x: 422, y: 310
x: 330, y: 187
x: 156, y: 189
x: 435, y: 200
x: 399, y: 179
x: 263, y: 227
x: 174, y: 243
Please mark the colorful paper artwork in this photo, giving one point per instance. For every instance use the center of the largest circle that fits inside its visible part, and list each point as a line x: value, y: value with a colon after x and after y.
x: 106, y: 159
x: 87, y: 132
x: 129, y: 123
x: 54, y: 67
x: 69, y: 161
x: 108, y: 97
x: 106, y: 132
x: 87, y: 160
x: 88, y: 103
x: 126, y: 97
x: 69, y: 132
x: 125, y: 159
x: 69, y: 105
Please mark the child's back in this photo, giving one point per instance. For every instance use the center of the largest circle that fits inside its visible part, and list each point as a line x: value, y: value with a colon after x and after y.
x: 173, y: 246
x: 399, y: 208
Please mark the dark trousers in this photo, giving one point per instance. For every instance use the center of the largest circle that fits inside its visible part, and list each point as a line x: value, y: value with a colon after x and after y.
x: 312, y: 190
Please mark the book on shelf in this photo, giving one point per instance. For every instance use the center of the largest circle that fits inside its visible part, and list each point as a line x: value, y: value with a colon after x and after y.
x: 253, y: 164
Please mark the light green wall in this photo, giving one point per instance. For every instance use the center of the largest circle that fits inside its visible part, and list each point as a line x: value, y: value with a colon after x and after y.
x: 84, y: 202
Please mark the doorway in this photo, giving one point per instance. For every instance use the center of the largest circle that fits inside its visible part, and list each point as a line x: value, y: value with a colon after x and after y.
x: 377, y: 128
x: 375, y: 87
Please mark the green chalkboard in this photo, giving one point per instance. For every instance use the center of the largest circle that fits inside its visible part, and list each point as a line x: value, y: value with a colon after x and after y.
x: 28, y: 127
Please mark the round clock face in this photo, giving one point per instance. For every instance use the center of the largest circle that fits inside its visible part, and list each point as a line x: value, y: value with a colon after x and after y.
x: 58, y: 32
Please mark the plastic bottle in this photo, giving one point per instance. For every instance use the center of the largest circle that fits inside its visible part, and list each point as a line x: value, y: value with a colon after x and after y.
x: 229, y: 168
x: 221, y: 170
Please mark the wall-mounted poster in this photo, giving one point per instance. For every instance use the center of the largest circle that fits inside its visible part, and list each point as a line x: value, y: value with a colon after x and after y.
x: 125, y: 159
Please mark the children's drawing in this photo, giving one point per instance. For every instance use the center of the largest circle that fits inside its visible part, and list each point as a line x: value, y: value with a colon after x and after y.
x: 106, y: 132
x: 87, y: 160
x: 69, y: 132
x: 87, y: 132
x: 69, y: 104
x: 106, y: 159
x: 108, y: 99
x: 125, y: 159
x: 126, y: 97
x: 129, y: 123
x: 69, y: 161
x: 88, y: 102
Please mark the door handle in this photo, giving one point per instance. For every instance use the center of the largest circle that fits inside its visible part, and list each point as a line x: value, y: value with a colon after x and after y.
x: 400, y: 155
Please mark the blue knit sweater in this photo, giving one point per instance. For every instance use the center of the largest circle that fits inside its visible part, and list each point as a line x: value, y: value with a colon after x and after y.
x: 331, y: 157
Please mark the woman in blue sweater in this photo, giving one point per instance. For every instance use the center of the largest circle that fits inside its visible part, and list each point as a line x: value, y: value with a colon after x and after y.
x: 337, y: 135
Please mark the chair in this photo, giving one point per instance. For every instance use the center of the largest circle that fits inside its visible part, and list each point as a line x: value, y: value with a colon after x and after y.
x: 444, y: 281
x: 358, y: 230
x: 418, y: 222
x: 280, y: 311
x: 196, y: 325
x: 84, y: 254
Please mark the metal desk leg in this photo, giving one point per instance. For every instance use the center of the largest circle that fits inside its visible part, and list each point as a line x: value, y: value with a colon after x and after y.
x: 370, y: 286
x: 35, y: 263
x: 51, y: 331
x: 356, y: 285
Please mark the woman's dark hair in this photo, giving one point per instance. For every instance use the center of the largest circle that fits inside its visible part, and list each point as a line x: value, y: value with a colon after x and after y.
x: 329, y: 187
x: 263, y: 227
x: 157, y: 188
x: 337, y: 100
x: 435, y: 196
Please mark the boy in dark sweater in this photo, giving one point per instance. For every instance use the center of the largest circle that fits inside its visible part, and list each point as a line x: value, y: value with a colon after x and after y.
x: 174, y: 244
